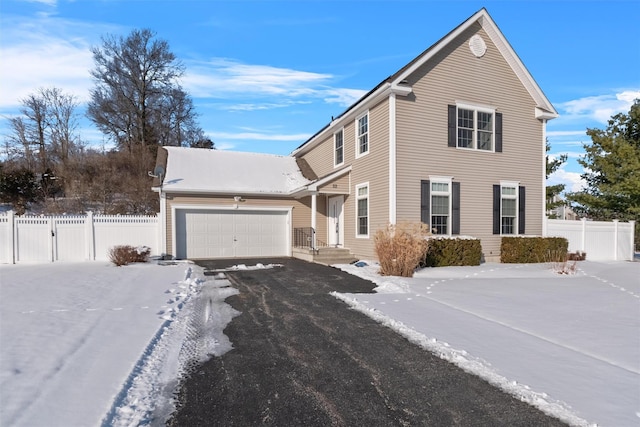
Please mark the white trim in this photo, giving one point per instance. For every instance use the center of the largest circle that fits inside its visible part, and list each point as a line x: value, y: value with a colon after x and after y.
x: 392, y: 159
x: 357, y: 133
x: 163, y: 223
x: 476, y: 108
x: 449, y: 193
x: 357, y: 187
x: 314, y: 207
x: 544, y: 177
x: 234, y: 207
x: 340, y: 234
x: 335, y: 164
x: 516, y: 197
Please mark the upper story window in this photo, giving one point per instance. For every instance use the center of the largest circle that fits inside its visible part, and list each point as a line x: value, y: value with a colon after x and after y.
x: 362, y: 210
x: 475, y: 128
x: 338, y: 147
x: 362, y: 134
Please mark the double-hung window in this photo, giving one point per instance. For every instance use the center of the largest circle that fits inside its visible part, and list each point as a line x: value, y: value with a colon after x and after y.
x: 440, y: 206
x: 362, y: 210
x: 475, y: 128
x: 338, y: 141
x: 362, y: 134
x: 508, y: 208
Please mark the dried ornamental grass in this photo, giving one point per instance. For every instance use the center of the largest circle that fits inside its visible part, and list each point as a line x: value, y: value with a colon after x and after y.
x: 400, y: 248
x: 125, y: 254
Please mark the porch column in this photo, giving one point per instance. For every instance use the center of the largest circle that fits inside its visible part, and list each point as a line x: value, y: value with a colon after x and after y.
x: 313, y: 218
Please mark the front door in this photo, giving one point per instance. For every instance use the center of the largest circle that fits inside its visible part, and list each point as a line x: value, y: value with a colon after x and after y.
x: 336, y: 220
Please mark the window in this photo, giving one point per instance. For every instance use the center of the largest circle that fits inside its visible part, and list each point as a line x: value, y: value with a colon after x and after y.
x: 362, y: 210
x: 362, y: 135
x: 508, y: 208
x: 338, y: 141
x: 440, y: 207
x: 475, y: 128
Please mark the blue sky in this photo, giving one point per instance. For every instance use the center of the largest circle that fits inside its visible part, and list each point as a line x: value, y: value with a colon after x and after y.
x: 265, y: 75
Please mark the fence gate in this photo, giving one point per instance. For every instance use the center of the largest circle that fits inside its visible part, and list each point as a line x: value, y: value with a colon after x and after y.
x: 73, y: 237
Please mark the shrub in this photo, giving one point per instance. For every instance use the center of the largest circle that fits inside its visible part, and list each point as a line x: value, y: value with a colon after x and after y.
x: 124, y: 254
x: 533, y: 249
x: 400, y: 248
x: 444, y: 252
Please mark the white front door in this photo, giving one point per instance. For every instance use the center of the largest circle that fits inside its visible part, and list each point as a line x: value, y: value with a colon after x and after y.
x: 336, y: 220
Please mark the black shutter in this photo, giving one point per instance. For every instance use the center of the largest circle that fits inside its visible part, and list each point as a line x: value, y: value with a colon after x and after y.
x: 521, y: 209
x: 498, y: 132
x: 455, y: 208
x: 496, y: 209
x: 452, y: 125
x: 425, y: 186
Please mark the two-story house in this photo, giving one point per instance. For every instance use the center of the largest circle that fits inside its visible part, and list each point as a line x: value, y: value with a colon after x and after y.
x: 455, y: 139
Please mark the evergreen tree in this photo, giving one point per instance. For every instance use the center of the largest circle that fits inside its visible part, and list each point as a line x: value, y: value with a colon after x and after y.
x: 553, y: 190
x: 612, y: 170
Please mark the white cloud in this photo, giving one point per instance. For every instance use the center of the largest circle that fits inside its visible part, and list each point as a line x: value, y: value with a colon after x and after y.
x: 224, y: 78
x: 599, y: 108
x: 566, y: 133
x: 572, y: 180
x: 45, y: 52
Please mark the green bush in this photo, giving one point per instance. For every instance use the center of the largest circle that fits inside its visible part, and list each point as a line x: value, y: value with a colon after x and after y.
x: 124, y: 254
x: 444, y: 252
x: 524, y: 250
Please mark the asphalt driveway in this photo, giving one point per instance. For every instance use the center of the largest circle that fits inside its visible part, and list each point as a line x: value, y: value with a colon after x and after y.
x: 302, y: 357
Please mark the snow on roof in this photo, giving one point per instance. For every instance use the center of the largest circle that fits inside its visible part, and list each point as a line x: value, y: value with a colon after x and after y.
x: 220, y: 171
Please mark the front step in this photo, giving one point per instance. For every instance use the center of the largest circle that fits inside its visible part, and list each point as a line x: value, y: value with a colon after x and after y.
x: 327, y: 256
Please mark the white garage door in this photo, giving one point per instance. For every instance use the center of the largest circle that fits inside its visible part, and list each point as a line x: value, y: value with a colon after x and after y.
x: 202, y: 233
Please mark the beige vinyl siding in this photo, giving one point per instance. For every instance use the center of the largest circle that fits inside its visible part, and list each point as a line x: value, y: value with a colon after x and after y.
x: 337, y: 186
x: 374, y: 169
x: 300, y: 215
x: 457, y: 75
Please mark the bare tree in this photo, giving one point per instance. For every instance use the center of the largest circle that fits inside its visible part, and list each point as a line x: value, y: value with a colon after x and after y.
x: 34, y: 108
x: 137, y: 99
x: 62, y: 122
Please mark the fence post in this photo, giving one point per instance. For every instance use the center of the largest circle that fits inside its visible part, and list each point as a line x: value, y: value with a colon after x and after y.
x: 11, y: 241
x: 615, y: 239
x: 632, y: 234
x: 52, y: 236
x: 584, y: 235
x: 90, y: 236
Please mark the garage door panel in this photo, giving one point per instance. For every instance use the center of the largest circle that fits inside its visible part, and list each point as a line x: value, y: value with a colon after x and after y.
x: 204, y: 233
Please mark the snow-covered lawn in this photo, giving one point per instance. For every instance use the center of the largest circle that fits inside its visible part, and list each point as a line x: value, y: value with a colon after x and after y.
x: 85, y: 344
x: 90, y: 344
x: 569, y: 345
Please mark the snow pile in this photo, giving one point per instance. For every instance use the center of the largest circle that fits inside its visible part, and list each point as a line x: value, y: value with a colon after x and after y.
x: 238, y: 267
x: 191, y: 335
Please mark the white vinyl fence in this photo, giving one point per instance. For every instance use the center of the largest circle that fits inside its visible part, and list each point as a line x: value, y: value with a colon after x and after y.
x: 601, y: 240
x: 73, y: 237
